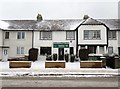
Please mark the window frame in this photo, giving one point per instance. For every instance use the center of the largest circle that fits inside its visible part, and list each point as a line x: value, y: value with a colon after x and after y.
x: 111, y: 35
x: 43, y: 38
x: 45, y: 52
x: 70, y: 37
x: 110, y: 51
x: 20, y: 51
x: 5, y: 51
x: 7, y: 35
x: 92, y: 35
x: 20, y: 35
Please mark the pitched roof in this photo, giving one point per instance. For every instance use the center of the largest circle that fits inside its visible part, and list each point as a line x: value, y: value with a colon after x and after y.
x: 91, y: 21
x: 43, y: 25
x: 113, y: 24
x: 66, y: 24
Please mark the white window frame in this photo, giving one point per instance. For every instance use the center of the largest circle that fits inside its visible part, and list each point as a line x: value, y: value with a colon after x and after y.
x: 110, y: 50
x: 46, y: 35
x: 92, y: 35
x: 70, y: 35
x: 20, y: 35
x: 20, y: 50
x: 5, y: 51
x: 112, y: 35
x: 7, y: 34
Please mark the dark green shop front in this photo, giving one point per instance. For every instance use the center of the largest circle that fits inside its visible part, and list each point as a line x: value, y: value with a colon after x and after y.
x: 60, y: 46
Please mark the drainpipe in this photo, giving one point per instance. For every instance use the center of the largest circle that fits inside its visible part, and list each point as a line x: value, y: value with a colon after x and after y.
x: 32, y: 38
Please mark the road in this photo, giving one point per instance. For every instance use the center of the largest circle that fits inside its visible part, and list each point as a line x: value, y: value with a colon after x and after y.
x: 60, y: 82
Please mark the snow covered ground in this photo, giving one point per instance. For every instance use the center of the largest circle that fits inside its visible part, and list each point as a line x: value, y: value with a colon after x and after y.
x: 72, y: 69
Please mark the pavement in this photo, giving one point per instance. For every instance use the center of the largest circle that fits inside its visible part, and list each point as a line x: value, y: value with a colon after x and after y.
x: 38, y: 68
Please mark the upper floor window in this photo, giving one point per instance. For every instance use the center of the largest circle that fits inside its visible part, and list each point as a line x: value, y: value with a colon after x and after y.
x: 46, y: 35
x: 112, y: 35
x: 21, y: 35
x: 20, y: 50
x: 70, y: 35
x: 6, y: 35
x: 92, y: 35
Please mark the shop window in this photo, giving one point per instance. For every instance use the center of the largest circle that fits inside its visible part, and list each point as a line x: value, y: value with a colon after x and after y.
x: 45, y: 50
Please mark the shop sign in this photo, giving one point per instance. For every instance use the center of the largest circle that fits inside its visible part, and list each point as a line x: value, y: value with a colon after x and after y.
x: 61, y: 45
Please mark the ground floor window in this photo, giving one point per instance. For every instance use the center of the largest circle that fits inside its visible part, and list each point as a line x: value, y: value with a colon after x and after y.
x: 92, y: 49
x: 20, y: 50
x: 82, y: 47
x: 110, y: 50
x: 5, y: 52
x: 101, y: 50
x: 45, y: 50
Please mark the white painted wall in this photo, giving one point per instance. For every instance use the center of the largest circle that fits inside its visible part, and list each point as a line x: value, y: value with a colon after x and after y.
x: 13, y: 43
x: 81, y: 29
x: 57, y: 36
x: 0, y: 53
x: 119, y: 38
x: 114, y: 43
x: 1, y: 42
x: 1, y: 37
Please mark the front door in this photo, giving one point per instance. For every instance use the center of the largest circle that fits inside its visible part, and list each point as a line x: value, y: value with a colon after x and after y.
x: 61, y: 53
x: 71, y: 50
x: 5, y: 54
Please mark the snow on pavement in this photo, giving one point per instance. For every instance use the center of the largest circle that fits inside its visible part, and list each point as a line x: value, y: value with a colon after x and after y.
x: 72, y: 69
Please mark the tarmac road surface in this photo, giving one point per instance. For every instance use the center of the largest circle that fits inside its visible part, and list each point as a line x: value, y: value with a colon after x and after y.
x: 59, y: 82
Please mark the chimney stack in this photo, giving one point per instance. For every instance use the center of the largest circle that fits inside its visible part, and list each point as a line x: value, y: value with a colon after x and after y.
x: 39, y: 17
x: 85, y: 17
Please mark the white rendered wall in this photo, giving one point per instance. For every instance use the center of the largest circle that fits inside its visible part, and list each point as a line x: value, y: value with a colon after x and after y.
x: 13, y: 43
x: 103, y: 30
x: 1, y: 42
x: 119, y: 38
x: 114, y: 43
x: 57, y: 36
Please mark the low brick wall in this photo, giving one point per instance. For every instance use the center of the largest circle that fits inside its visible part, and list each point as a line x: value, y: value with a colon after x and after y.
x: 54, y: 64
x: 19, y: 64
x: 91, y: 64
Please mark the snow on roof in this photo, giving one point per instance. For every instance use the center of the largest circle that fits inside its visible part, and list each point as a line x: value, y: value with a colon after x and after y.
x: 3, y: 25
x: 113, y: 24
x: 91, y: 21
x: 66, y: 24
x: 44, y: 25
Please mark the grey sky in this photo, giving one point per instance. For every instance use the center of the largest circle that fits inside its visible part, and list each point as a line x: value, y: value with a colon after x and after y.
x: 57, y: 9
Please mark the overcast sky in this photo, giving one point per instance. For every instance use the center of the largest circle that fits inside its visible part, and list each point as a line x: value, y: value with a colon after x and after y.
x: 58, y: 9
